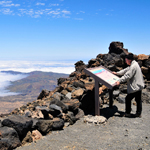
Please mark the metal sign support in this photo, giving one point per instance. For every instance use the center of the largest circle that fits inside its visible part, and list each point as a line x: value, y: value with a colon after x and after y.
x: 97, y: 103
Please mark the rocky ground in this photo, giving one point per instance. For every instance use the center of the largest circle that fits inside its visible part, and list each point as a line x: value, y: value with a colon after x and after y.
x: 73, y: 98
x: 118, y: 133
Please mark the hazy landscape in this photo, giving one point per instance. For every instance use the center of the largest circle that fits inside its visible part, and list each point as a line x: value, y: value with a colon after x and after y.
x: 29, y: 88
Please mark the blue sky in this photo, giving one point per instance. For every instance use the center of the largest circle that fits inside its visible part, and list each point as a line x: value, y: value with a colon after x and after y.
x: 71, y: 29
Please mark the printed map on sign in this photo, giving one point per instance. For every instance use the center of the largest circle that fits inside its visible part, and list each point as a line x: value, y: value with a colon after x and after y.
x: 105, y: 75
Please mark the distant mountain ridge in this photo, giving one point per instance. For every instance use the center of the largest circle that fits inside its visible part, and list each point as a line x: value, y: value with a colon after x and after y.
x: 35, y: 82
x: 29, y: 88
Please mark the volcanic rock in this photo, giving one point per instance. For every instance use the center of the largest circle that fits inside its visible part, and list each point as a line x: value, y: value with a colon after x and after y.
x: 9, y: 138
x: 20, y: 123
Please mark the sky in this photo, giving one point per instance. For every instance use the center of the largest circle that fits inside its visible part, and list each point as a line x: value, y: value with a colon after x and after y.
x: 52, y: 35
x: 46, y: 30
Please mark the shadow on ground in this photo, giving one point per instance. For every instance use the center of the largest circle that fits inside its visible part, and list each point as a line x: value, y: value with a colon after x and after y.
x: 113, y: 111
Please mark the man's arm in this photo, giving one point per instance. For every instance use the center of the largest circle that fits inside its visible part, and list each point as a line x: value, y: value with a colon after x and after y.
x: 128, y: 75
x: 122, y: 72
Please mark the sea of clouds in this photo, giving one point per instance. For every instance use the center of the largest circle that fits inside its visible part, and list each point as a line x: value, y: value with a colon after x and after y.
x: 28, y: 66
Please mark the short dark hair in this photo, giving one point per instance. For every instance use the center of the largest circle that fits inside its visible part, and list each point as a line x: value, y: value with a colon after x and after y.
x: 129, y: 56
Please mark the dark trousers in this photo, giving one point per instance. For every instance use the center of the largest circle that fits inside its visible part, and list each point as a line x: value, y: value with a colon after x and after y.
x: 137, y: 96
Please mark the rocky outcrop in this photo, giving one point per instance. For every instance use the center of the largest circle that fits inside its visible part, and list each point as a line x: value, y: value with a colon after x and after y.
x: 117, y: 48
x: 71, y: 99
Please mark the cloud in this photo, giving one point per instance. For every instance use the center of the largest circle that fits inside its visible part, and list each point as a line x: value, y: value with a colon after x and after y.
x: 7, y: 11
x: 66, y: 12
x: 53, y: 5
x: 5, y: 79
x: 42, y: 4
x: 34, y: 9
x: 8, y: 4
x: 28, y: 66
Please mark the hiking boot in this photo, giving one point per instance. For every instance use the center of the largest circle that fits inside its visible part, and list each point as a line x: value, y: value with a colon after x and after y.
x: 127, y: 115
x: 138, y: 115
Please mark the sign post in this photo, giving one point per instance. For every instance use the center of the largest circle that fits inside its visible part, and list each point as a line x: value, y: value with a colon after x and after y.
x: 106, y: 77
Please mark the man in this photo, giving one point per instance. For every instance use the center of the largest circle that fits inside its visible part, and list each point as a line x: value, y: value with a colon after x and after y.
x: 135, y: 83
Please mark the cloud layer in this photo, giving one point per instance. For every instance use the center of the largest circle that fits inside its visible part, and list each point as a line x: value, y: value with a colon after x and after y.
x: 5, y: 79
x: 26, y: 67
x: 46, y: 66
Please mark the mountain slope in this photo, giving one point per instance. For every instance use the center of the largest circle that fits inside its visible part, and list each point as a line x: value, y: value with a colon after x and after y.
x: 29, y: 88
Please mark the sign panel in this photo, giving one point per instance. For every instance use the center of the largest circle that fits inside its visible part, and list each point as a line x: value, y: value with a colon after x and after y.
x: 103, y: 75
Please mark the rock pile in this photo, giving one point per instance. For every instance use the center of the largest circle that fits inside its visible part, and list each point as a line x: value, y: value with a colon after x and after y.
x: 69, y: 101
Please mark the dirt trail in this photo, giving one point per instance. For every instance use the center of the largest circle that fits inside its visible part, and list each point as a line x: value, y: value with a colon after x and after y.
x: 119, y: 133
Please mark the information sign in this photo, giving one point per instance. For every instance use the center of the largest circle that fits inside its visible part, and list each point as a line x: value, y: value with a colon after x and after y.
x: 106, y: 77
x: 103, y: 75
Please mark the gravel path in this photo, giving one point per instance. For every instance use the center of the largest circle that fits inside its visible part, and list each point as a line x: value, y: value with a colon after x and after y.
x: 119, y: 133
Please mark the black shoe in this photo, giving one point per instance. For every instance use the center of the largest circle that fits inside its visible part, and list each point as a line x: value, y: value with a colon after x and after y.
x: 127, y: 115
x: 138, y: 115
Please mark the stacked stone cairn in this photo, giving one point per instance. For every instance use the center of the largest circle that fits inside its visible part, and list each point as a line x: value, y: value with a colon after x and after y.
x: 72, y: 99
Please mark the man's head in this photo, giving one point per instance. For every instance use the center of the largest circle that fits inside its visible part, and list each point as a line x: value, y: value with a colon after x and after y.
x: 129, y: 58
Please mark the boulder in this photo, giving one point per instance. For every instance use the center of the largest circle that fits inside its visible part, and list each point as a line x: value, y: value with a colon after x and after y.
x: 119, y: 61
x: 93, y: 63
x: 9, y: 138
x: 108, y: 59
x: 77, y: 93
x: 55, y: 110
x: 60, y: 104
x: 68, y: 95
x: 58, y: 124
x: 43, y: 94
x: 36, y: 135
x: 70, y: 118
x: 112, y: 68
x: 28, y: 113
x: 57, y: 95
x: 79, y: 66
x: 142, y: 57
x: 21, y: 124
x: 44, y: 126
x: 27, y: 139
x: 37, y: 114
x: 72, y: 104
x: 147, y: 63
x: 60, y: 80
x: 79, y: 113
x: 64, y: 92
x: 44, y: 110
x: 69, y: 88
x: 144, y: 70
x: 78, y: 84
x: 117, y: 48
x: 140, y: 63
x: 89, y: 86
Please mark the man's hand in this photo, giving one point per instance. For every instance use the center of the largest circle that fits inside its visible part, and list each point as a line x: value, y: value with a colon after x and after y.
x: 117, y: 83
x: 114, y: 72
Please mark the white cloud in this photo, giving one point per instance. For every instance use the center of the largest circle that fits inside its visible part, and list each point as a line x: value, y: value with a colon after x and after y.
x: 6, y: 11
x: 28, y: 66
x: 34, y: 10
x: 66, y: 12
x: 42, y: 4
x: 5, y: 79
x: 53, y: 5
x: 8, y: 4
